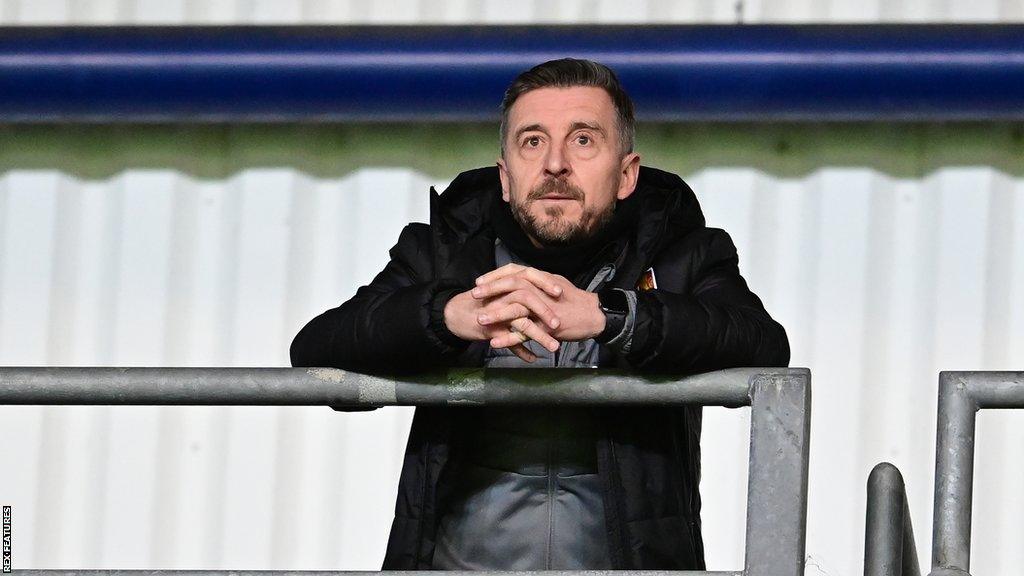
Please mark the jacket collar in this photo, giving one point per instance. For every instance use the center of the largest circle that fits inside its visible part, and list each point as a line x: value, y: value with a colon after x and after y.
x: 666, y: 209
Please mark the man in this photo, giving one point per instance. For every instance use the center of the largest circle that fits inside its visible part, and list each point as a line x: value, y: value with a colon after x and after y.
x: 568, y: 253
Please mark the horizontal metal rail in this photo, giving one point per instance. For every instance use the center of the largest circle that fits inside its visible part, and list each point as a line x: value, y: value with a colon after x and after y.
x: 458, y: 73
x: 889, y: 547
x: 332, y: 387
x: 779, y: 399
x: 961, y: 395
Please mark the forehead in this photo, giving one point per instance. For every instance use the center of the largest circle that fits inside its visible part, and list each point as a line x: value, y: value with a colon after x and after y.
x: 557, y: 107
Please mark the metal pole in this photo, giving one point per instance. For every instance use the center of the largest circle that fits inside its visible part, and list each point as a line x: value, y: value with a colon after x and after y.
x: 331, y: 387
x: 961, y: 395
x: 777, y: 491
x: 883, y: 538
x: 994, y: 389
x: 889, y: 548
x: 954, y: 477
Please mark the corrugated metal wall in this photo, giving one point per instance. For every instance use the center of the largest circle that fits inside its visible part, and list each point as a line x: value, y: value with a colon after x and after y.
x: 889, y: 253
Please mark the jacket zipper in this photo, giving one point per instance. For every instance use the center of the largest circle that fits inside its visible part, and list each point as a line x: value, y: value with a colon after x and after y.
x: 551, y: 499
x: 620, y: 529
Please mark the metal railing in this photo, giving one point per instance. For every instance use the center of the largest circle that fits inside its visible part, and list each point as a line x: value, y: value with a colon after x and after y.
x: 432, y: 73
x: 779, y: 438
x: 889, y: 547
x: 961, y: 395
x: 889, y: 538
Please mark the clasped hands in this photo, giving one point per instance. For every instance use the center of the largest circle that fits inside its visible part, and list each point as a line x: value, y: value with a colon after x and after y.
x: 514, y: 304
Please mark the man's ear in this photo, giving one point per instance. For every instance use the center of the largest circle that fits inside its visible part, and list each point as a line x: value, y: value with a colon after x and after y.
x: 630, y: 168
x: 503, y: 174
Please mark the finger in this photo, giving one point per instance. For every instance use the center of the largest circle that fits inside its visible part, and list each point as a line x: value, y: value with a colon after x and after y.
x: 529, y: 300
x: 537, y: 306
x: 506, y: 270
x: 510, y: 312
x: 523, y: 352
x: 508, y: 338
x: 543, y: 280
x: 522, y: 291
x: 530, y: 329
x: 532, y: 276
x: 499, y: 286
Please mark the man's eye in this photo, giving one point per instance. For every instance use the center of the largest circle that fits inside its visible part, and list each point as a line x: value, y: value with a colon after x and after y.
x: 532, y: 141
x: 583, y: 140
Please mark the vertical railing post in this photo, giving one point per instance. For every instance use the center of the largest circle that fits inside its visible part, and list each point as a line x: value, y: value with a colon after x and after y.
x: 883, y: 541
x: 954, y: 477
x: 889, y: 546
x: 777, y: 492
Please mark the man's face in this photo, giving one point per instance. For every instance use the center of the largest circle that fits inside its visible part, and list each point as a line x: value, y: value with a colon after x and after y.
x: 563, y: 168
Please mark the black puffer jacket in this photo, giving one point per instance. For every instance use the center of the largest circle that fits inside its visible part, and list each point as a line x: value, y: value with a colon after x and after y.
x: 701, y: 317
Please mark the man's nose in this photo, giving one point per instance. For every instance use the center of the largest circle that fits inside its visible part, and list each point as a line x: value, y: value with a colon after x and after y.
x: 556, y: 163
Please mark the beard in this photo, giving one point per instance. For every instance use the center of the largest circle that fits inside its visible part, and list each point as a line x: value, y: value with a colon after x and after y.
x: 555, y: 229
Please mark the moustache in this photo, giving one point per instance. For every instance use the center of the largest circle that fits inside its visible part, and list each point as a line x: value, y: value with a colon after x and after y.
x: 555, y: 186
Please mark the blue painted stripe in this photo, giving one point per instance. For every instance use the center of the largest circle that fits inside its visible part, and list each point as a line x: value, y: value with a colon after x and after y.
x: 874, y: 72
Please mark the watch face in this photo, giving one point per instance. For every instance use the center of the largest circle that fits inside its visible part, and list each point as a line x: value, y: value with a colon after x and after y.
x: 613, y: 300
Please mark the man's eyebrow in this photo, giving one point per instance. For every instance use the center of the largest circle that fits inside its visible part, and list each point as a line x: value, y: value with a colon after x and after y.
x: 578, y: 125
x: 530, y: 128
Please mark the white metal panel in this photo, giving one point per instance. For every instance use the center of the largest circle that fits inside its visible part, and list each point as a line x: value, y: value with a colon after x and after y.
x: 838, y: 350
x: 219, y: 12
x: 28, y: 233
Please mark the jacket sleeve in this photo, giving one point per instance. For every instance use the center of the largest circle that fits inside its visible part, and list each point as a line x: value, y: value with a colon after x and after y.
x: 394, y: 324
x: 718, y: 323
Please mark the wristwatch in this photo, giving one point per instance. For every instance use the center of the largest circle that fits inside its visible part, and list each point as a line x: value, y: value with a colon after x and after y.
x: 615, y: 308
